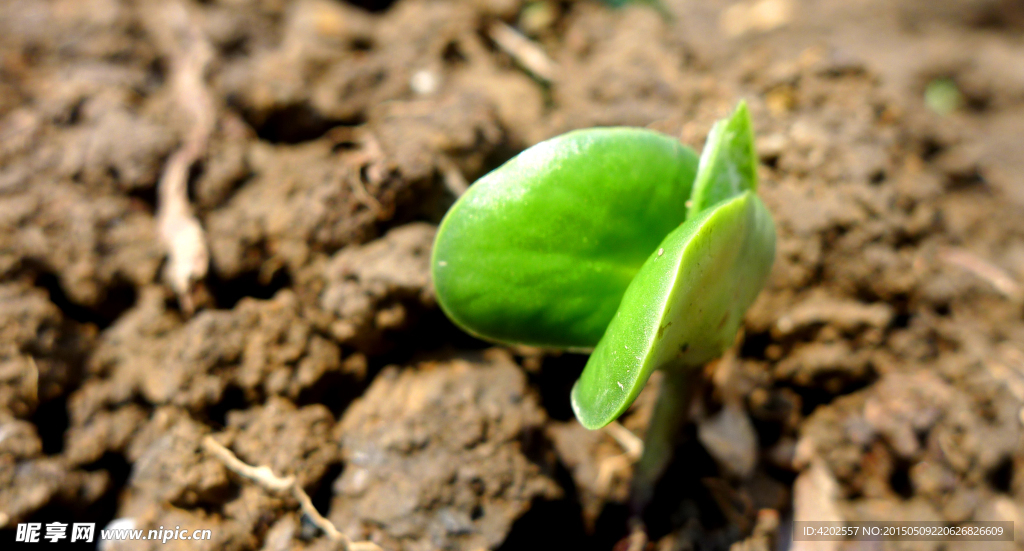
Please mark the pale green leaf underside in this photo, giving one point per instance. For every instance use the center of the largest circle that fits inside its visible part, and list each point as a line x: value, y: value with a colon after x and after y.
x: 541, y: 250
x: 683, y: 308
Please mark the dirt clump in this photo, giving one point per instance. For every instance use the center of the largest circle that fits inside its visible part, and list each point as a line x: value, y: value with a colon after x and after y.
x: 370, y: 288
x: 434, y: 457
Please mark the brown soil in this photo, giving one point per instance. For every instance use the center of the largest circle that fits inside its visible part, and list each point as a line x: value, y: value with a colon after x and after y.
x: 879, y: 376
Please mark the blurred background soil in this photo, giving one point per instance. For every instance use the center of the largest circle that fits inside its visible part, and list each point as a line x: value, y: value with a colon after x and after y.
x: 880, y: 376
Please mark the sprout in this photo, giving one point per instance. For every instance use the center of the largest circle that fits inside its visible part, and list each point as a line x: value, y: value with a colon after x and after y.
x: 617, y: 240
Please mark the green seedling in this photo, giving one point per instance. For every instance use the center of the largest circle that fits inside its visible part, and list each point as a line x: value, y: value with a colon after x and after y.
x: 620, y: 241
x: 541, y: 250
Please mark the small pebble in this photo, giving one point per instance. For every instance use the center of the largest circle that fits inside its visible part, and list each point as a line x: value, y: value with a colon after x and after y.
x: 424, y: 82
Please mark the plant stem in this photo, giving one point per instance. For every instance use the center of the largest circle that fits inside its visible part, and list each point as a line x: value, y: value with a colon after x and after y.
x: 671, y: 413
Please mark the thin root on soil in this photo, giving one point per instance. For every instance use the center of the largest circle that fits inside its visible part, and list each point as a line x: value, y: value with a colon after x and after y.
x: 632, y: 444
x: 266, y: 478
x: 608, y: 468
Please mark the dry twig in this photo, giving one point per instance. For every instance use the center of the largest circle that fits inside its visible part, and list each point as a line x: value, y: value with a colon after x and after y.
x: 266, y: 478
x: 525, y: 51
x: 453, y: 178
x: 190, y: 54
x: 607, y: 469
x: 368, y: 161
x: 633, y: 448
x: 632, y: 444
x: 994, y: 275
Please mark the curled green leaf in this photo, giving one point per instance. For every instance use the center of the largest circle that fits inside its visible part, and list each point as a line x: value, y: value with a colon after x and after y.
x: 541, y: 250
x: 728, y: 164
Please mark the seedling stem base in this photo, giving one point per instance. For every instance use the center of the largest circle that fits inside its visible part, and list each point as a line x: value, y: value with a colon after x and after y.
x: 671, y: 413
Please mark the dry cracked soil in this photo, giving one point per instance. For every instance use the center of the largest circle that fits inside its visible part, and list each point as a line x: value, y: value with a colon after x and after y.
x: 879, y: 376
